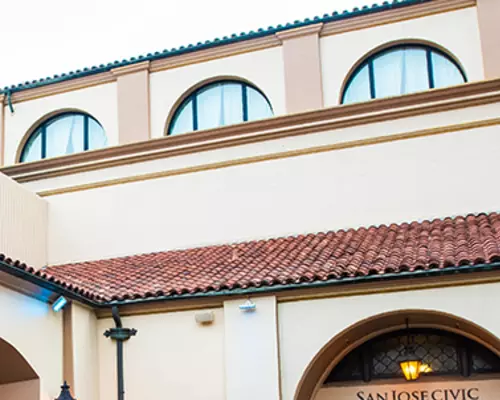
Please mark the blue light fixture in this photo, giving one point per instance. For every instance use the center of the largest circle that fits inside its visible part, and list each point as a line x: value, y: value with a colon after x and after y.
x: 59, y: 304
x: 248, y: 306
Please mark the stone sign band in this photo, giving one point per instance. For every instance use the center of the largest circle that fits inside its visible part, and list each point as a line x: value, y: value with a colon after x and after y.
x: 434, y: 394
x: 473, y: 389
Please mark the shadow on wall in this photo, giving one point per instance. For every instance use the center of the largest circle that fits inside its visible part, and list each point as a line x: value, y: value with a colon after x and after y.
x: 18, y: 380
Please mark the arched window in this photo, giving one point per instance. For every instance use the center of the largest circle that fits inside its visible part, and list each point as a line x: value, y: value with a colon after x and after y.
x: 401, y: 70
x: 63, y: 134
x: 217, y: 104
x: 442, y: 354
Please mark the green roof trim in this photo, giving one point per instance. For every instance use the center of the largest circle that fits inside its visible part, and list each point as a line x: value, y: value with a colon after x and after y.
x: 335, y: 16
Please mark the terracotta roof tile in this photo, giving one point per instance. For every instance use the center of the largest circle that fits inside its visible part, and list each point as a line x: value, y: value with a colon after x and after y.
x: 393, y: 249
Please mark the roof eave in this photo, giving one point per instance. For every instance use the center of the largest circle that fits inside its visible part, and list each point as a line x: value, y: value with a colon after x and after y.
x: 87, y: 71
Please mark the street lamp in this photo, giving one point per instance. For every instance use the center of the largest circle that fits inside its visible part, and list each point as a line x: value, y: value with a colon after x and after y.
x: 65, y: 393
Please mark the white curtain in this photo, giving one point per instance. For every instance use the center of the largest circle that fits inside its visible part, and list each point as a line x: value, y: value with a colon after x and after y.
x: 209, y: 107
x: 231, y: 103
x: 400, y: 72
x: 184, y: 121
x: 64, y: 135
x: 97, y: 136
x: 359, y: 87
x: 220, y: 105
x: 258, y: 107
x: 33, y: 149
x: 415, y: 76
x: 446, y: 72
x: 388, y: 73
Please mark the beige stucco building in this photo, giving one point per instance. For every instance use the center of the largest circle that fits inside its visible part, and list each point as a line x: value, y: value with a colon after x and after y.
x: 308, y: 211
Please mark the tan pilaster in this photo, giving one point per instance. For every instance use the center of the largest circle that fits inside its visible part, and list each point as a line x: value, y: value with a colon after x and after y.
x: 68, y: 364
x: 252, y: 350
x: 133, y: 102
x: 488, y: 13
x: 301, y: 57
x: 2, y: 130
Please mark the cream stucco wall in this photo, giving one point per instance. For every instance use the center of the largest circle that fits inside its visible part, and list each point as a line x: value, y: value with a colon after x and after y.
x: 25, y: 390
x: 172, y: 357
x: 98, y: 101
x: 263, y: 68
x: 339, y: 53
x: 85, y: 356
x: 383, y: 183
x: 306, y: 326
x: 23, y: 224
x: 35, y: 331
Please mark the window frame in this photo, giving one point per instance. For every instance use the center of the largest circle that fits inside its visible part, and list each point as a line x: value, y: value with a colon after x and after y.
x: 193, y: 97
x: 368, y: 62
x: 41, y: 130
x: 363, y: 354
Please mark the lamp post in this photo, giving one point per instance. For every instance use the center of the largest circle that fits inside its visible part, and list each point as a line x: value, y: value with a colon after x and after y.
x: 65, y: 393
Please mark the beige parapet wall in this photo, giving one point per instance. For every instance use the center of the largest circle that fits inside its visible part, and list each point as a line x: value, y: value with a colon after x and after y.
x: 23, y: 224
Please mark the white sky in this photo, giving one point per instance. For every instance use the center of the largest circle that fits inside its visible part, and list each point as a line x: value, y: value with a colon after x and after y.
x: 46, y: 37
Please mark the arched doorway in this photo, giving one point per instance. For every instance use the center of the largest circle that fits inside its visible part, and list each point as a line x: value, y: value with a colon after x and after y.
x: 363, y: 362
x: 18, y: 380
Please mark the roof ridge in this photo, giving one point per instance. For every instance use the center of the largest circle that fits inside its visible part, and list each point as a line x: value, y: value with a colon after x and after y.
x: 233, y: 38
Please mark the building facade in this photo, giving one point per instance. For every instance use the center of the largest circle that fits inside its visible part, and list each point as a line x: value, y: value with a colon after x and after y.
x: 307, y: 211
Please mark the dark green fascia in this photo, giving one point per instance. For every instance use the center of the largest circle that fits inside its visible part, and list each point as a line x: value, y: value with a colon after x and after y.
x: 317, y: 284
x: 251, y: 291
x: 336, y: 16
x: 46, y: 284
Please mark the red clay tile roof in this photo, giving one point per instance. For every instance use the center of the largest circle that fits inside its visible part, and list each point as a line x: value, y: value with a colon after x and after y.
x: 399, y: 250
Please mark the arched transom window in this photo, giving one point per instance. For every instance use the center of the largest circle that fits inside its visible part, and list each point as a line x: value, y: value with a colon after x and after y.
x: 63, y: 134
x: 441, y: 354
x: 217, y: 104
x: 401, y: 70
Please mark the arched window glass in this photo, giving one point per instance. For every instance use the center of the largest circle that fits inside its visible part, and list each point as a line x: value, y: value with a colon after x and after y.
x: 443, y: 354
x: 63, y: 134
x: 218, y: 104
x: 402, y: 70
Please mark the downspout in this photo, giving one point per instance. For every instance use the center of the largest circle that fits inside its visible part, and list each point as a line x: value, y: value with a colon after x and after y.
x: 9, y: 101
x: 120, y: 335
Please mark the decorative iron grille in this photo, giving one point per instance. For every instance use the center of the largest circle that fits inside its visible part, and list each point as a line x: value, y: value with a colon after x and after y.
x: 444, y: 353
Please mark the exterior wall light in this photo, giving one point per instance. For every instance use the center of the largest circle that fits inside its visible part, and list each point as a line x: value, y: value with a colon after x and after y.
x: 248, y: 306
x: 59, y: 304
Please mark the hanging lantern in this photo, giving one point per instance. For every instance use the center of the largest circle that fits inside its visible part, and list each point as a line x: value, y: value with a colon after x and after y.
x: 410, y: 364
x: 411, y: 368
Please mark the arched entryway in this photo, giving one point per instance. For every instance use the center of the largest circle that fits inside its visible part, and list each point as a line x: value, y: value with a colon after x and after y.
x: 320, y: 374
x: 18, y: 380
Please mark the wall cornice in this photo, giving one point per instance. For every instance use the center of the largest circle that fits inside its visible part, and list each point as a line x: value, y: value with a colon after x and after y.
x: 63, y: 87
x: 433, y: 101
x: 299, y: 32
x: 130, y: 69
x: 396, y: 15
x: 214, y: 53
